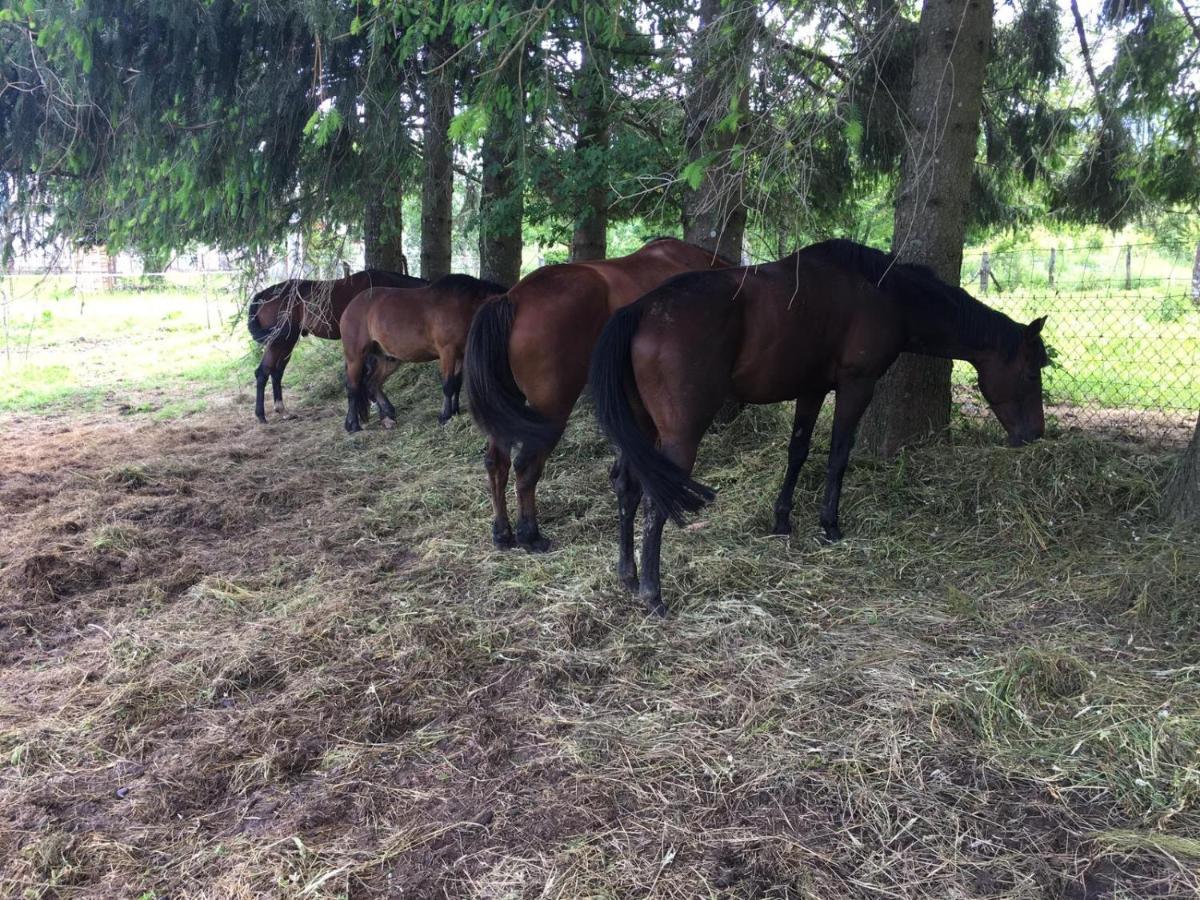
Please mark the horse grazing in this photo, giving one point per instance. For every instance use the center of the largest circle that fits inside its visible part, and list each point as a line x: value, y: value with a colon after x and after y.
x: 832, y: 317
x: 527, y: 362
x: 280, y: 314
x: 384, y: 327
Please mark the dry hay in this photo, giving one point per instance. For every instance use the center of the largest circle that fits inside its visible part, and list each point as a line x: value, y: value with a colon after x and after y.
x: 247, y: 662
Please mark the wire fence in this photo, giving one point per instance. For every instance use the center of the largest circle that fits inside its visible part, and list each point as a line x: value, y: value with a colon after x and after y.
x: 1123, y: 327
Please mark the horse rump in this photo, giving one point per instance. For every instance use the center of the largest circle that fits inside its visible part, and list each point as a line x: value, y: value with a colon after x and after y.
x: 497, y: 404
x: 671, y: 489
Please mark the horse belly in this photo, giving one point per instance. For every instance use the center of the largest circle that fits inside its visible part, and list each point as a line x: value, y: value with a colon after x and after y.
x: 781, y: 364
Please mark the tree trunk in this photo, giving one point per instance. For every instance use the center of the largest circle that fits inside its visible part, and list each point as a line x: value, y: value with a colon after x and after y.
x: 714, y: 214
x: 438, y: 187
x: 383, y: 234
x: 501, y: 202
x: 912, y: 402
x: 1181, y: 501
x: 590, y: 240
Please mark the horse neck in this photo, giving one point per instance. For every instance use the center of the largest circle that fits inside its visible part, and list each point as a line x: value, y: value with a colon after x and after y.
x: 955, y: 332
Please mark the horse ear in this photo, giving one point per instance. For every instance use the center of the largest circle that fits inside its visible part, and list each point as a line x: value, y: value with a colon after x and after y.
x: 1034, y: 328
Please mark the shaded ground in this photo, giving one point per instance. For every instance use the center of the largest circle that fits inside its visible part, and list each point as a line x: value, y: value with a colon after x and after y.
x: 239, y: 661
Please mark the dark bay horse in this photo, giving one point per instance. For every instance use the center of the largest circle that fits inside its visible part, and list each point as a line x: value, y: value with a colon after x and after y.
x: 384, y: 327
x: 280, y: 314
x: 832, y: 317
x: 527, y: 362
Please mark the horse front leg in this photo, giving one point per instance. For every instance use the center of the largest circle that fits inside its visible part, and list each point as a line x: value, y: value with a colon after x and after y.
x: 450, y: 365
x: 807, y: 410
x: 853, y: 397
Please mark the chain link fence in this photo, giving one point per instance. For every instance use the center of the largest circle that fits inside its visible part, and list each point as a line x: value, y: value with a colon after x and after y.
x: 1123, y: 328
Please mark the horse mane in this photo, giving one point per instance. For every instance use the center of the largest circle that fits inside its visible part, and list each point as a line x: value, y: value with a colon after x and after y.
x: 922, y: 291
x: 470, y: 284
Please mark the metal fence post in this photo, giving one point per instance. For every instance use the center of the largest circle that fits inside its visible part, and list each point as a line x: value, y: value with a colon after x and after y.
x: 1196, y: 278
x: 1128, y: 267
x: 984, y: 271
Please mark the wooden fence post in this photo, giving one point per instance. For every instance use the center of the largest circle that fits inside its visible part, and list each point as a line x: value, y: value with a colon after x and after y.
x: 1128, y: 267
x: 1053, y: 252
x: 984, y: 271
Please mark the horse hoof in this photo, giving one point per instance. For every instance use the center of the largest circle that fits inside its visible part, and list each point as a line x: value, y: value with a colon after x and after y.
x: 782, y: 528
x: 502, y: 538
x: 538, y: 545
x: 833, y: 534
x: 629, y: 582
x: 388, y: 424
x: 655, y: 607
x: 280, y: 409
x: 262, y: 420
x: 353, y: 429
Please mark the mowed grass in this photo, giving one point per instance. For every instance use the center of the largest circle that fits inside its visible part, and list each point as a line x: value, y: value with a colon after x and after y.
x: 92, y: 348
x: 282, y: 662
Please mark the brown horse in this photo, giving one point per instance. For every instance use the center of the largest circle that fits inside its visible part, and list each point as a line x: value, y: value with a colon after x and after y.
x: 832, y: 317
x: 384, y: 327
x: 527, y: 362
x: 280, y: 314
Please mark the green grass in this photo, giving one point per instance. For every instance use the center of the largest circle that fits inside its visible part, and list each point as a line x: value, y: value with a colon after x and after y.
x: 102, y: 349
x: 1124, y: 349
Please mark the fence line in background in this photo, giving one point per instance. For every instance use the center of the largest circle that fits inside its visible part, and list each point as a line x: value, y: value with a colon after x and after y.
x: 1124, y: 323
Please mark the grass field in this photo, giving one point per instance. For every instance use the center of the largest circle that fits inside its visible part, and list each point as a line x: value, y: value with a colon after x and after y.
x: 243, y: 661
x: 95, y: 350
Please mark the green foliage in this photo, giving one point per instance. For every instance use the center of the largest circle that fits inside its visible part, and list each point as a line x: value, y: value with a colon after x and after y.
x: 230, y: 122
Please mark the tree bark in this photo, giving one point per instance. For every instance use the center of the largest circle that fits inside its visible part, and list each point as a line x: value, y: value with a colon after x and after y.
x: 714, y: 215
x: 590, y: 239
x: 501, y: 204
x: 383, y: 234
x: 1181, y: 500
x: 912, y: 402
x: 437, y: 192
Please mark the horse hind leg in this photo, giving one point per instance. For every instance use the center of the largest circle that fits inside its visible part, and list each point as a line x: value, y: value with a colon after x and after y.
x: 266, y: 367
x: 683, y: 454
x: 529, y: 466
x: 382, y: 370
x: 277, y: 382
x: 357, y: 406
x: 629, y: 495
x: 498, y: 462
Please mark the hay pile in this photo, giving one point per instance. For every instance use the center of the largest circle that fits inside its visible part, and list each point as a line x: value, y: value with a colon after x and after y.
x: 246, y: 662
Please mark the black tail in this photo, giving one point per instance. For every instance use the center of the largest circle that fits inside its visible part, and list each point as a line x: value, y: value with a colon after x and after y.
x: 497, y: 404
x: 260, y: 334
x: 670, y: 488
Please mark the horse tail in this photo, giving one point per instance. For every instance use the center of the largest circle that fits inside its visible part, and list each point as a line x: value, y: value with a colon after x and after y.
x: 260, y: 334
x: 497, y: 404
x: 670, y: 488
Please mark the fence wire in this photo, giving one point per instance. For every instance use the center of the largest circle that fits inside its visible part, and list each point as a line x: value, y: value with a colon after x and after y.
x: 1123, y: 328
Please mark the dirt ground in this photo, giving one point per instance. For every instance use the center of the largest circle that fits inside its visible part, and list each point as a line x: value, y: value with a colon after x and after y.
x: 243, y: 661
